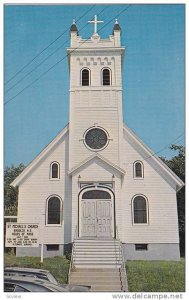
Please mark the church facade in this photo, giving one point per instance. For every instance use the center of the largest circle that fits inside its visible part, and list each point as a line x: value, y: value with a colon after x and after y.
x: 97, y: 179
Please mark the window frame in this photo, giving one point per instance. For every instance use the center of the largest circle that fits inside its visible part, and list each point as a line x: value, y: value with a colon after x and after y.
x: 147, y: 210
x: 53, y: 245
x: 51, y: 166
x: 92, y: 149
x: 104, y: 195
x: 134, y: 170
x: 61, y: 211
x: 140, y: 248
x: 81, y: 76
x: 102, y: 77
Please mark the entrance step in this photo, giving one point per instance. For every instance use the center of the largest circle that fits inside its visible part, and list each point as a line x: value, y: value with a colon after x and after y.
x: 96, y: 280
x: 98, y: 263
x: 96, y: 253
x: 84, y: 254
x: 92, y: 271
x: 101, y: 279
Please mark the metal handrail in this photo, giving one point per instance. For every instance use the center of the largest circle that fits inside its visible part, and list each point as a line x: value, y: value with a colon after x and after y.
x: 122, y: 256
x: 120, y: 251
x: 72, y: 255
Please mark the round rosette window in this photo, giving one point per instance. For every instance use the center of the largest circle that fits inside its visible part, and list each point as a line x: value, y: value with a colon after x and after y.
x: 96, y: 138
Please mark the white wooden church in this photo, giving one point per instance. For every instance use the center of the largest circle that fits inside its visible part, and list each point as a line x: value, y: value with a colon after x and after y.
x: 97, y: 180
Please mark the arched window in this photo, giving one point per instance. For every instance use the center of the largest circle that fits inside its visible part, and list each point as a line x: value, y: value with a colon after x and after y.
x: 138, y: 169
x: 85, y: 77
x: 106, y: 80
x: 54, y: 210
x: 140, y: 209
x: 96, y: 194
x: 55, y: 170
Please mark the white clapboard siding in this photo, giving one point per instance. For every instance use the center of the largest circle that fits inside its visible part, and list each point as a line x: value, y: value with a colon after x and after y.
x: 84, y: 119
x: 37, y: 187
x: 163, y: 219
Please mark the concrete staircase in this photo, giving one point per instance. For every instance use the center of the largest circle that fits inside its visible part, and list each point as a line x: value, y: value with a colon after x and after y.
x: 98, y: 263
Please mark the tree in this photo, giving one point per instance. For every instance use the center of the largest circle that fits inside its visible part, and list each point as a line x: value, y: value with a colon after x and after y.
x: 10, y: 193
x: 177, y: 165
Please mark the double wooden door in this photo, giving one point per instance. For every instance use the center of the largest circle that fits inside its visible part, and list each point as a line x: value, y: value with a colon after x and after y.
x: 96, y: 219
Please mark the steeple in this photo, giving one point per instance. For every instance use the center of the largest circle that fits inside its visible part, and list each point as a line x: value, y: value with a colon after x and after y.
x: 73, y: 27
x: 116, y: 26
x: 117, y: 33
x: 73, y: 33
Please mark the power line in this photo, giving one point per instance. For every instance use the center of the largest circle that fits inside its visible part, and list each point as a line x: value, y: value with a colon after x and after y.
x: 165, y: 147
x: 121, y: 12
x: 47, y: 47
x: 9, y: 100
x: 26, y: 75
x: 168, y: 145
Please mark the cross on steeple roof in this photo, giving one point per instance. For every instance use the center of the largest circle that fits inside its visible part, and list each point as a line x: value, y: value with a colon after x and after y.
x: 95, y: 21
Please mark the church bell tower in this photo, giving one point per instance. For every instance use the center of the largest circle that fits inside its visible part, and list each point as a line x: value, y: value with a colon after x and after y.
x: 95, y: 120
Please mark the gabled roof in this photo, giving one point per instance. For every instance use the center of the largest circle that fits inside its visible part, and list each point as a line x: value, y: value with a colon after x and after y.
x: 135, y: 139
x: 40, y: 156
x: 150, y: 155
x: 101, y: 158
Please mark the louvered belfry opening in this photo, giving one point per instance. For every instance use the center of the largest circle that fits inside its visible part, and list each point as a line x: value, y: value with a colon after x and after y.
x: 106, y: 76
x: 85, y: 77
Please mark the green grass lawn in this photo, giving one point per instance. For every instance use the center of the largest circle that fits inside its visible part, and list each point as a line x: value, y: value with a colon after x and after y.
x: 58, y: 265
x: 143, y: 276
x: 156, y: 276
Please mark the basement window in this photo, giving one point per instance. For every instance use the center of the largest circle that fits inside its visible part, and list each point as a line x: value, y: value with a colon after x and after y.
x: 141, y: 247
x: 52, y: 247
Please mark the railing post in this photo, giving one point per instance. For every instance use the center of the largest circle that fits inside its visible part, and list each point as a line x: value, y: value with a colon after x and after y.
x: 122, y: 261
x: 72, y: 255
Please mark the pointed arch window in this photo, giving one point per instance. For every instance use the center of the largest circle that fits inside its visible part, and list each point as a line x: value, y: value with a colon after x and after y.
x: 140, y: 210
x: 54, y: 210
x: 106, y: 77
x: 85, y: 77
x: 55, y: 170
x: 138, y: 169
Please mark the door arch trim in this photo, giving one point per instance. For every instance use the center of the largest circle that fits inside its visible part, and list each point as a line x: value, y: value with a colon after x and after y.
x: 103, y: 188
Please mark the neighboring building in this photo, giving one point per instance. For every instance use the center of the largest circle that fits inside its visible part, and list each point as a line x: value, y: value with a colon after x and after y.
x: 97, y: 179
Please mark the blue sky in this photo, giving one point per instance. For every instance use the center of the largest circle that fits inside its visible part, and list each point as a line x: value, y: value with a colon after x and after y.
x: 153, y: 72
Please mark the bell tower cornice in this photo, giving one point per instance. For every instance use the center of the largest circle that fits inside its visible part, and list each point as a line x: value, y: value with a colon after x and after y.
x: 95, y: 52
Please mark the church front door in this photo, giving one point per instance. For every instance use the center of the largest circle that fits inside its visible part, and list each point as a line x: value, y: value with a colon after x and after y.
x: 96, y: 220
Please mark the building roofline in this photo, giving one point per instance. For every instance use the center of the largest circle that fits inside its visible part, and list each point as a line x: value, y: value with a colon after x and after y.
x: 36, y: 160
x: 153, y: 156
x: 100, y: 157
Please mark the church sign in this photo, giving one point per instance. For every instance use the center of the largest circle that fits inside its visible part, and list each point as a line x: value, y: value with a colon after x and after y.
x: 22, y: 235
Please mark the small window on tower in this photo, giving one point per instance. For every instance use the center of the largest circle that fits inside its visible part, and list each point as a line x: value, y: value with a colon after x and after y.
x: 85, y: 77
x: 106, y: 77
